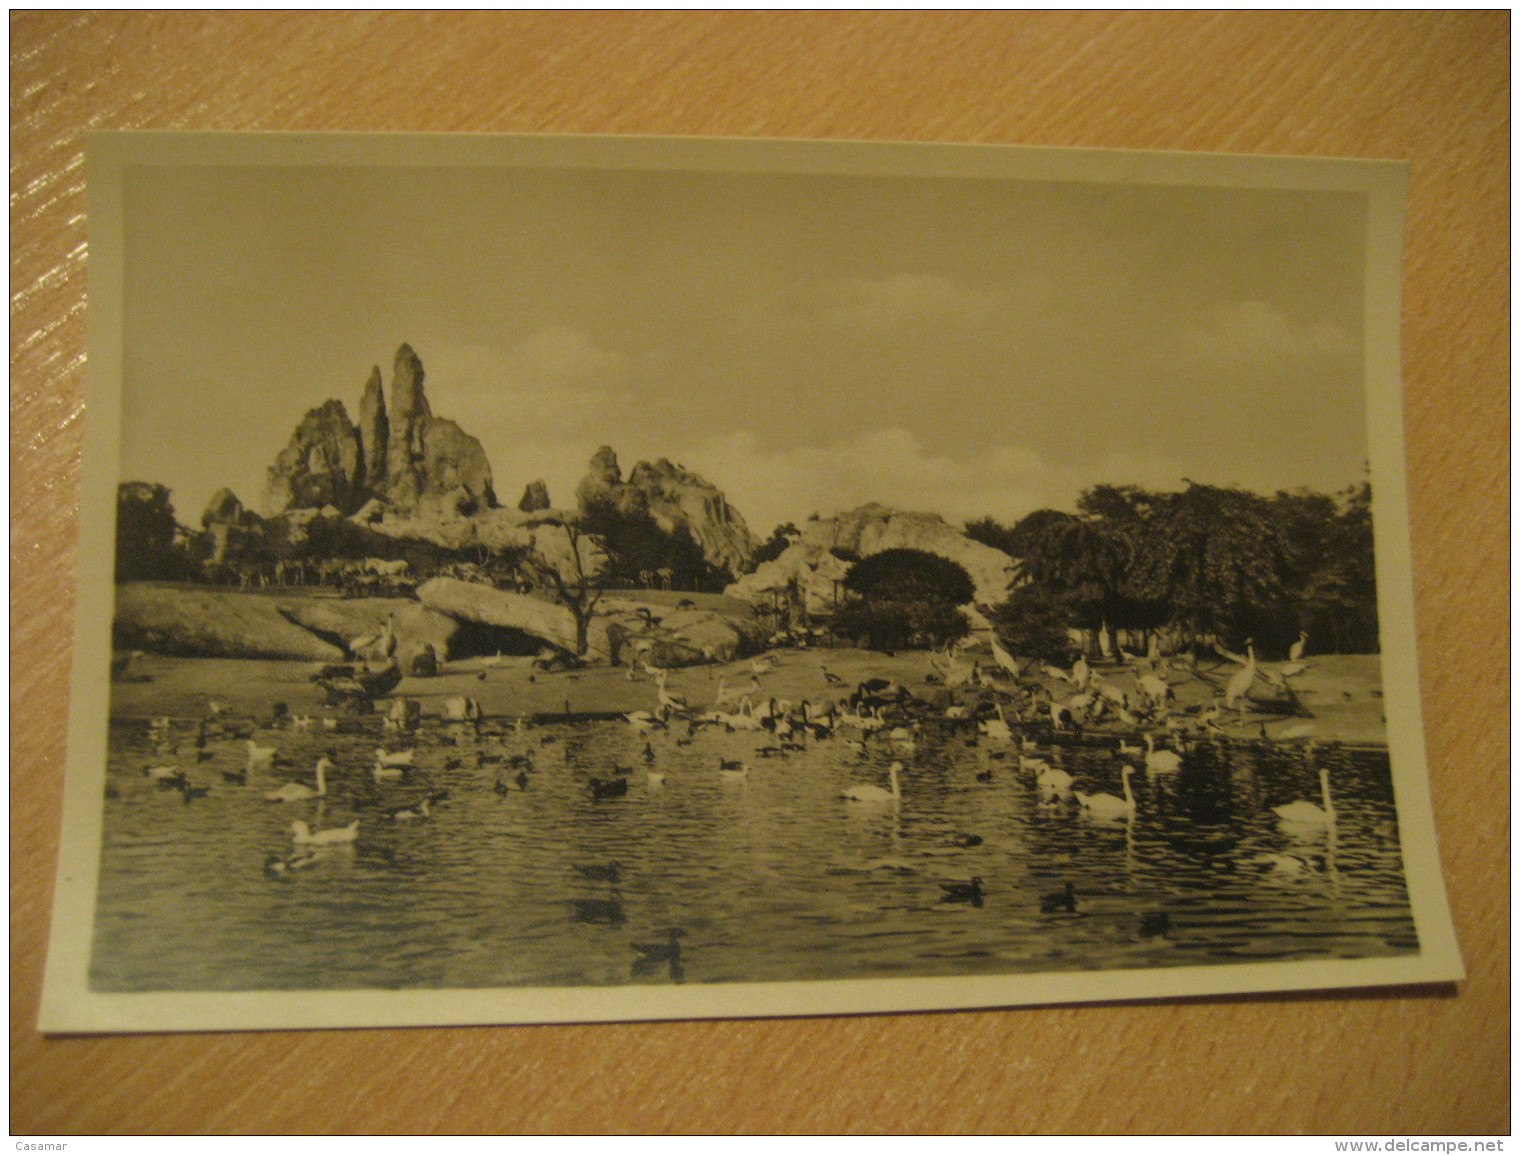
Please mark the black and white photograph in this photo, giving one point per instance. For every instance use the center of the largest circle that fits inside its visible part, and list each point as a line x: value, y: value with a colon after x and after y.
x: 536, y: 579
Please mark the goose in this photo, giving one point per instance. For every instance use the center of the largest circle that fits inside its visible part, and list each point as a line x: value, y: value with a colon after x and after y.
x: 260, y: 757
x: 830, y: 677
x: 163, y: 773
x: 732, y: 772
x: 655, y: 778
x: 1301, y: 813
x: 965, y: 841
x: 304, y: 835
x: 611, y: 788
x: 299, y: 791
x: 871, y: 793
x: 1064, y: 899
x: 962, y: 891
x: 667, y: 951
x: 389, y: 773
x: 397, y: 758
x: 643, y: 721
x: 608, y: 872
x: 647, y: 753
x: 1106, y: 805
x: 1160, y: 761
x: 1127, y: 749
x: 984, y: 775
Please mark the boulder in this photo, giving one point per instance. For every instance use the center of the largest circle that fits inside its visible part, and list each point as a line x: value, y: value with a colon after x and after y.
x: 535, y: 497
x: 344, y: 620
x: 420, y: 660
x: 469, y: 602
x: 211, y: 623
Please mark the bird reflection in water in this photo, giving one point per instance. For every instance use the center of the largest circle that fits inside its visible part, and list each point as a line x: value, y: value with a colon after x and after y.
x: 657, y: 956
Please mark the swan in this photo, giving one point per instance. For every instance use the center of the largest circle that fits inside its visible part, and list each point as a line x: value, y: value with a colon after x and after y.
x: 1160, y: 761
x: 871, y: 793
x: 1108, y: 806
x: 304, y: 835
x: 1053, y: 779
x: 299, y: 791
x: 1301, y: 813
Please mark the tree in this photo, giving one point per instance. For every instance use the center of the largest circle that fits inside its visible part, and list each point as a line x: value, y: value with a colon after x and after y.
x: 1215, y: 555
x: 638, y: 546
x: 146, y: 534
x: 1032, y: 623
x: 578, y: 580
x: 906, y: 597
x: 780, y: 540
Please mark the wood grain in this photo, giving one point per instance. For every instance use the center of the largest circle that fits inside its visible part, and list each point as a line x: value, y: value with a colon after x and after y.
x: 1431, y: 88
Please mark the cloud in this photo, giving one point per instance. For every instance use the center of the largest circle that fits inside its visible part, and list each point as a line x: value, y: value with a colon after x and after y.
x: 888, y: 465
x: 554, y: 378
x: 1246, y: 330
x: 884, y: 304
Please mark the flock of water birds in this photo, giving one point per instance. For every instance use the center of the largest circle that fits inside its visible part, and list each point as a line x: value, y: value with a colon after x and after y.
x: 877, y: 721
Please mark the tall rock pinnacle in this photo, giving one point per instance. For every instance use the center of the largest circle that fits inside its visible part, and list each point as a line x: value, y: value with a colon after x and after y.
x: 374, y: 432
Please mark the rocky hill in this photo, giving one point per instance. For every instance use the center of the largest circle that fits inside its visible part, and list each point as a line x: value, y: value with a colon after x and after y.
x: 677, y: 499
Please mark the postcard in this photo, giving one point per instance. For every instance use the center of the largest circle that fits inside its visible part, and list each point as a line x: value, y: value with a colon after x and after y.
x: 533, y: 579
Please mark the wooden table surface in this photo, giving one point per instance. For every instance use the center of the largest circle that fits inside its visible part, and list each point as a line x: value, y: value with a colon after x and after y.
x: 1431, y: 88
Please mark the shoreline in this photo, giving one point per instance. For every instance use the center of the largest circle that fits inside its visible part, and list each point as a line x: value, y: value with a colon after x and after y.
x: 1343, y: 692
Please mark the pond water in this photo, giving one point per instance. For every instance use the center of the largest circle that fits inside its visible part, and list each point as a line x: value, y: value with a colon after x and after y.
x: 768, y: 877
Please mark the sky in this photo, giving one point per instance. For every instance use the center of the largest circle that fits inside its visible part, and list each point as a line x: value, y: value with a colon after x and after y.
x: 807, y: 343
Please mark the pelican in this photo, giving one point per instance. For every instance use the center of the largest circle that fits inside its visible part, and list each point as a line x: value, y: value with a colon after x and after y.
x: 1107, y: 805
x: 299, y: 791
x: 1240, y: 683
x: 304, y: 835
x: 1007, y: 661
x: 1301, y: 813
x: 871, y: 793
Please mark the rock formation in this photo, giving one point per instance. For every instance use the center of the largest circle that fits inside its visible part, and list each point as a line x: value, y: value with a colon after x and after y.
x: 320, y: 465
x: 374, y: 431
x: 406, y: 457
x: 863, y: 532
x: 535, y: 497
x: 677, y: 499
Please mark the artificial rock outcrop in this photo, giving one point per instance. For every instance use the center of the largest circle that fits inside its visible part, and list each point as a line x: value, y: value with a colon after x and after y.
x: 403, y: 455
x: 813, y: 564
x: 677, y: 499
